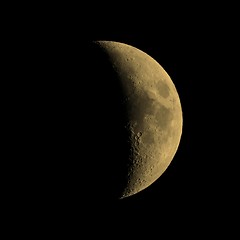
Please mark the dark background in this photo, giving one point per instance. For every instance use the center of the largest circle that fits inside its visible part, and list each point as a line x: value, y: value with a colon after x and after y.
x: 197, y: 191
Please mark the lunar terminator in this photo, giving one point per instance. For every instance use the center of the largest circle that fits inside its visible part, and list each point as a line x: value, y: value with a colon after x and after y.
x: 154, y: 114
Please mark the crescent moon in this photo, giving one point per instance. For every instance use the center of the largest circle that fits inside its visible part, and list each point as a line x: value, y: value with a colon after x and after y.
x: 154, y: 114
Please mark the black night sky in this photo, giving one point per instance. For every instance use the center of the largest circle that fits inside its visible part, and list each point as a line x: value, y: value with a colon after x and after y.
x: 53, y: 118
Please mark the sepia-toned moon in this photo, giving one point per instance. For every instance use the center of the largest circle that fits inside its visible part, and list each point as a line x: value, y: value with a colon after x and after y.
x: 153, y: 114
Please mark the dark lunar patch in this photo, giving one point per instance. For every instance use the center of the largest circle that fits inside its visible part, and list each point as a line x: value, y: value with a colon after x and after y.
x: 163, y: 89
x: 139, y: 107
x: 148, y: 137
x: 163, y: 116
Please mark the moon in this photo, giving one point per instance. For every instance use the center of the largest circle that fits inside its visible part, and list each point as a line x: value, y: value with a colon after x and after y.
x: 152, y: 121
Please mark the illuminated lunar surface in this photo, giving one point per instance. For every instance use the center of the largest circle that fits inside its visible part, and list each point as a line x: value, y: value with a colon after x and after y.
x: 154, y: 114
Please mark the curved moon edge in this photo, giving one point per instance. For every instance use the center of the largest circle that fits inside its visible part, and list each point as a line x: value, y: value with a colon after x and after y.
x: 154, y: 110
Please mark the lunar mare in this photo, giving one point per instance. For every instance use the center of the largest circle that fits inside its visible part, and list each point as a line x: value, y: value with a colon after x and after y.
x: 154, y: 114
